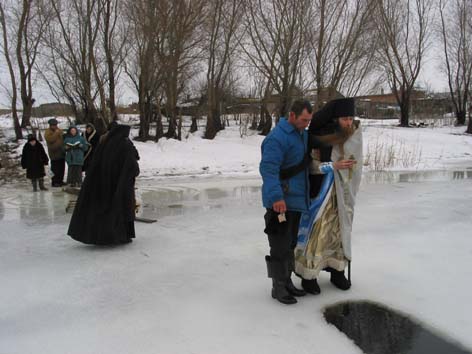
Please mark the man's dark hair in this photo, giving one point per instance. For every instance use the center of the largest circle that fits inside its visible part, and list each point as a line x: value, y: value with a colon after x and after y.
x: 299, y: 105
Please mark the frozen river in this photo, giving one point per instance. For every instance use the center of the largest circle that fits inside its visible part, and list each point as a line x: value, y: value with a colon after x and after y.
x: 195, y: 281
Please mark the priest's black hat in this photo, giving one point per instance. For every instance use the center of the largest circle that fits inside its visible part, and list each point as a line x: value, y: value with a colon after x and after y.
x: 323, y: 121
x: 344, y: 107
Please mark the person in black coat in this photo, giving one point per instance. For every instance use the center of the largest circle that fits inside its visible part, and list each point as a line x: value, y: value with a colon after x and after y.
x: 33, y: 159
x: 105, y: 210
x: 92, y: 137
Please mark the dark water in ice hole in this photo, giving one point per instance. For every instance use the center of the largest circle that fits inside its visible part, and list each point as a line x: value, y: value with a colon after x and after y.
x: 183, y: 200
x: 379, y: 330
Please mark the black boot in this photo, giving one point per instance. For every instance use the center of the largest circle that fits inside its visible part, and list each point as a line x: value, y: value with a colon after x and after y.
x: 35, y: 184
x: 339, y: 280
x: 41, y: 184
x: 280, y: 292
x: 293, y: 290
x: 279, y: 276
x: 311, y: 286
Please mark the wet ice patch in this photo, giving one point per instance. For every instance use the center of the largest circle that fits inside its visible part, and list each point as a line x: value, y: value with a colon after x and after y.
x: 380, y: 330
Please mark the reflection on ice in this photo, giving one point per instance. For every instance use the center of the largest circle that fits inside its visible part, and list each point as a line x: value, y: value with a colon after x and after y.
x: 415, y: 176
x: 182, y: 200
x: 33, y: 208
x: 158, y: 201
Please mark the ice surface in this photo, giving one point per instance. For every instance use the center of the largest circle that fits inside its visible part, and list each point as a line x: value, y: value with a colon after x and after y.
x: 195, y: 282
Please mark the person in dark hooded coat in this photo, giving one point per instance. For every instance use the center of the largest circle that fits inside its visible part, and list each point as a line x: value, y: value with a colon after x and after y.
x: 33, y: 159
x: 105, y: 210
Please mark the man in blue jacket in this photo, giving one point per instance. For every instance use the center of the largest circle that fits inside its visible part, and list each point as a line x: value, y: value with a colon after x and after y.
x: 285, y: 195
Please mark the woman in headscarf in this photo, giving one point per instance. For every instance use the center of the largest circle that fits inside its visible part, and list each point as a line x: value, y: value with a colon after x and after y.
x: 324, y: 240
x: 75, y: 147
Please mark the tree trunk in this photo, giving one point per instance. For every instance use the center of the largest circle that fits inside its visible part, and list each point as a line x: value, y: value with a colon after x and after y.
x: 266, y: 122
x: 159, y: 127
x: 171, y: 109
x: 179, y: 128
x: 469, y: 127
x: 404, y: 116
x: 172, y: 130
x: 254, y: 122
x: 145, y: 115
x: 27, y: 109
x: 194, y: 126
x: 460, y: 115
x: 16, y: 121
x: 283, y: 106
x: 404, y: 109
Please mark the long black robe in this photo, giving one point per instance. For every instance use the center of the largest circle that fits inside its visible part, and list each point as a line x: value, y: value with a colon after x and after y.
x: 105, y: 210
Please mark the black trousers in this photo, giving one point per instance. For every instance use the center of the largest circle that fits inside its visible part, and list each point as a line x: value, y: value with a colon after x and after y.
x: 282, y: 241
x: 58, y: 167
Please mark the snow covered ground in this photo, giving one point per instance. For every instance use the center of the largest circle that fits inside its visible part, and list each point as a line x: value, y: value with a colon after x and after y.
x: 195, y: 281
x: 386, y: 148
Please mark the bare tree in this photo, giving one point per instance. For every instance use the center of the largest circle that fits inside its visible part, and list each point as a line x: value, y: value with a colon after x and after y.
x: 33, y: 20
x: 28, y: 22
x: 178, y: 50
x: 342, y: 40
x: 456, y: 37
x: 6, y: 52
x: 223, y: 21
x: 75, y: 61
x: 277, y: 46
x: 403, y: 28
x: 142, y: 65
x: 113, y: 33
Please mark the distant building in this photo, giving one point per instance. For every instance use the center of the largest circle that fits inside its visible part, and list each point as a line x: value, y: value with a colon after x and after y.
x: 385, y: 106
x: 52, y: 109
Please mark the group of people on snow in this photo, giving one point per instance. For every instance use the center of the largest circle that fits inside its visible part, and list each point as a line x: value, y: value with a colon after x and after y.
x: 311, y: 168
x: 71, y: 147
x: 105, y: 209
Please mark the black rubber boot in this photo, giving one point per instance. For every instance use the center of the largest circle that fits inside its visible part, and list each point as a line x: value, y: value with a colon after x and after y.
x: 311, y: 286
x: 34, y: 181
x: 339, y: 280
x: 280, y: 292
x: 41, y: 184
x: 293, y: 290
x: 279, y: 282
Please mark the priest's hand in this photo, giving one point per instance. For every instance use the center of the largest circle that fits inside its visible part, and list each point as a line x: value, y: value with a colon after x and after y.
x: 343, y: 164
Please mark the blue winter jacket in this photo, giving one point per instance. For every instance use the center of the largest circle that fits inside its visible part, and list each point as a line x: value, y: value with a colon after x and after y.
x: 75, y: 147
x: 284, y: 147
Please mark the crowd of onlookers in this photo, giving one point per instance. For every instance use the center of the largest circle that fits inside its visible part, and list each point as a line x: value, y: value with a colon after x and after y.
x: 72, y: 147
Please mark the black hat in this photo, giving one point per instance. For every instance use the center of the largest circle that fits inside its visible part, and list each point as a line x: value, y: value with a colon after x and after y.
x: 112, y: 125
x: 344, y: 107
x: 31, y: 137
x: 323, y: 121
x: 52, y: 121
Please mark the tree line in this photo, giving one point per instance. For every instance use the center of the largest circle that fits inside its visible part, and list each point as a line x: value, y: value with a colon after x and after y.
x: 85, y: 51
